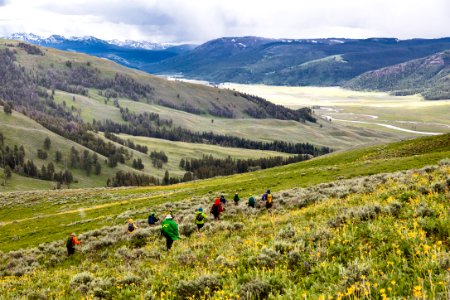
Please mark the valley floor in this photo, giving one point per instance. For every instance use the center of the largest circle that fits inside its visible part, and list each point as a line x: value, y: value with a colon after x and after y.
x: 401, y: 116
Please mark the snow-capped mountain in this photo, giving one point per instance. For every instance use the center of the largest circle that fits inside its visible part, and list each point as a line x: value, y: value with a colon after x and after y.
x: 87, y: 40
x: 135, y: 54
x: 141, y: 44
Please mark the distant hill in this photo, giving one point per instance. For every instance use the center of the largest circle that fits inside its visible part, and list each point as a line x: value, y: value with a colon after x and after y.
x: 321, y: 62
x: 292, y: 62
x: 129, y: 53
x: 429, y: 76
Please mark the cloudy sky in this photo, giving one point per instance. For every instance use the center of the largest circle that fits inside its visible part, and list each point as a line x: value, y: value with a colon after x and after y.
x: 201, y: 20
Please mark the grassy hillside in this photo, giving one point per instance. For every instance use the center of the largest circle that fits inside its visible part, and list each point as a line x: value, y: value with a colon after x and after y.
x: 93, y: 208
x: 322, y: 134
x: 428, y: 76
x: 16, y: 126
x: 181, y: 95
x: 369, y: 237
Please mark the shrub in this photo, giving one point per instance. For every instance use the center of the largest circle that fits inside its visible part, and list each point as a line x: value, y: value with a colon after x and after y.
x: 423, y: 210
x: 255, y: 289
x: 287, y: 232
x: 81, y: 278
x: 129, y: 280
x: 138, y: 240
x: 36, y: 296
x: 188, y: 289
x: 187, y: 229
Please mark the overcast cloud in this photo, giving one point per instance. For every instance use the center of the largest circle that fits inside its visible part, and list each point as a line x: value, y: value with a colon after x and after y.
x: 201, y: 20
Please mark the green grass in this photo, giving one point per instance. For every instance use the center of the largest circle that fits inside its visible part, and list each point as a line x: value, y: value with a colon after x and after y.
x: 92, y: 107
x: 50, y: 213
x: 365, y: 238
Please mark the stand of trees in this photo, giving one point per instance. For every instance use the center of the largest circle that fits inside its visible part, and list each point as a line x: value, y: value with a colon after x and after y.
x: 127, y: 143
x: 158, y: 159
x: 185, y: 135
x: 13, y: 159
x: 266, y: 109
x: 208, y: 166
x: 131, y: 179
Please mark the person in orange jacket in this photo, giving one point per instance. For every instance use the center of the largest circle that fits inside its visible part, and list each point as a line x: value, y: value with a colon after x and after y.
x: 216, y: 209
x: 71, y: 242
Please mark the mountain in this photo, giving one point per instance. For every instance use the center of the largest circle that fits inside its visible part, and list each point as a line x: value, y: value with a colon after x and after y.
x: 130, y: 53
x: 322, y: 62
x: 429, y: 76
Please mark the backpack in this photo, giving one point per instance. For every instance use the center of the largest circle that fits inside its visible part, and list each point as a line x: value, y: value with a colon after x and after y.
x: 199, y: 217
x: 215, y: 209
x: 269, y: 198
x: 69, y: 243
x: 251, y: 201
x: 130, y: 227
x: 151, y: 220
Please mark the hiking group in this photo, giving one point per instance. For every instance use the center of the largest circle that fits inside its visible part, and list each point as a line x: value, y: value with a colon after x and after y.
x: 169, y: 228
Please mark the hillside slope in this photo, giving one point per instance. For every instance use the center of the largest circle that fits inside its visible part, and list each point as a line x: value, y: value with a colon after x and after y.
x: 17, y: 126
x: 319, y: 62
x: 429, y: 76
x: 369, y: 237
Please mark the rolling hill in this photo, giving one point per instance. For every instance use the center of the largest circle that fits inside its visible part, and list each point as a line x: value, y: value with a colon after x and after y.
x: 368, y: 223
x: 429, y: 76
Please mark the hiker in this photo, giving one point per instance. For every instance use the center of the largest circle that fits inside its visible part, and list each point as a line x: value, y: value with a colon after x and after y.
x: 222, y: 199
x: 216, y: 209
x: 131, y: 226
x: 269, y: 200
x: 169, y: 228
x: 251, y: 201
x: 264, y: 196
x: 236, y: 199
x: 71, y: 242
x: 200, y: 218
x: 152, y: 219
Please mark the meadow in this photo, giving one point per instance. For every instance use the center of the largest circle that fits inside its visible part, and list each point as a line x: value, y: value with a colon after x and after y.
x: 383, y: 236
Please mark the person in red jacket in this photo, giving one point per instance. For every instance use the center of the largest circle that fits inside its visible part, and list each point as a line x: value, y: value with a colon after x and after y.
x: 217, y: 209
x: 71, y: 242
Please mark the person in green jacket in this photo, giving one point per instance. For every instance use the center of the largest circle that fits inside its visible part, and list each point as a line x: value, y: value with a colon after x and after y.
x: 200, y: 218
x: 170, y: 231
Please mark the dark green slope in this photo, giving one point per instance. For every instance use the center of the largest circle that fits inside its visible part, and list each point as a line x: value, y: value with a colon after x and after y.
x: 429, y: 76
